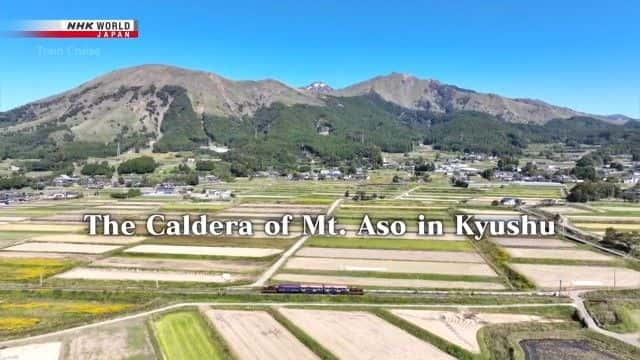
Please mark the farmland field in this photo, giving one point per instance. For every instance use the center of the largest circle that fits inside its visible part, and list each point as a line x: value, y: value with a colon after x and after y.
x: 26, y: 269
x: 372, y: 281
x: 390, y: 266
x: 574, y: 276
x: 459, y: 328
x: 63, y: 248
x: 203, y: 250
x: 390, y: 244
x: 256, y: 335
x: 185, y: 335
x: 360, y: 335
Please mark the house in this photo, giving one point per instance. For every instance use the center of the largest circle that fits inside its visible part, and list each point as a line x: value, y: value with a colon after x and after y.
x: 509, y: 201
x: 164, y: 189
x: 67, y: 195
x: 632, y: 179
x: 65, y: 180
x: 212, y: 194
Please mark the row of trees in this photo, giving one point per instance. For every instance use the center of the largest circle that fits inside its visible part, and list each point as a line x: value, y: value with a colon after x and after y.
x: 593, y: 191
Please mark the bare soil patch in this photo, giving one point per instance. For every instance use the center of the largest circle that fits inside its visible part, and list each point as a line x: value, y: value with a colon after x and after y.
x: 88, y: 239
x: 66, y: 228
x: 447, y: 256
x: 533, y: 242
x: 459, y: 328
x: 144, y: 275
x: 45, y: 351
x: 63, y: 248
x: 203, y: 250
x: 178, y: 264
x: 390, y: 266
x: 569, y: 254
x: 575, y: 276
x: 360, y: 335
x: 256, y: 335
x: 128, y: 340
x: 385, y: 282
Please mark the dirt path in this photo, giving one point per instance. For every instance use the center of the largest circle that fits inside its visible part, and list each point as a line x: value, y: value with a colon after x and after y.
x: 406, y: 193
x: 578, y: 302
x: 262, y: 280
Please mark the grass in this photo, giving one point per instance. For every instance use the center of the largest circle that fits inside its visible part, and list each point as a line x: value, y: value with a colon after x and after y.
x: 389, y: 243
x: 185, y: 335
x: 499, y: 259
x: 618, y: 315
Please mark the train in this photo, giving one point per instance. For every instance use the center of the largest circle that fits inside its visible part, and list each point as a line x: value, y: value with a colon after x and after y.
x: 312, y: 289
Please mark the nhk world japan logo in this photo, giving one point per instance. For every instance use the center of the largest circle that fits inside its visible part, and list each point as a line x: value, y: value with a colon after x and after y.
x: 99, y: 29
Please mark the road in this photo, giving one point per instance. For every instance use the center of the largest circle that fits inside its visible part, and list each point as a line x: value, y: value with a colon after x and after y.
x: 52, y: 335
x: 406, y: 193
x: 262, y: 280
x: 578, y: 303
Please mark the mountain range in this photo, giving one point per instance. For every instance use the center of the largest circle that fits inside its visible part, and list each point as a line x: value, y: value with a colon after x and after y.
x: 173, y: 108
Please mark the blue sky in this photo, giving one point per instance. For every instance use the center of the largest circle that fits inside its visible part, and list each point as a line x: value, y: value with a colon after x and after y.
x: 581, y: 54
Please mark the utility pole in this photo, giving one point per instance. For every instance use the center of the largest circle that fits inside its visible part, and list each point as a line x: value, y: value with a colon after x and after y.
x: 560, y: 288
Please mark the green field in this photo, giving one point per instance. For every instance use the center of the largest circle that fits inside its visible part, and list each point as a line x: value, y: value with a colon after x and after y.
x: 185, y: 335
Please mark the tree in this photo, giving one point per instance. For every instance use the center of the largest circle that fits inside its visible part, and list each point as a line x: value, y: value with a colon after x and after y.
x: 101, y: 169
x: 508, y: 163
x: 140, y: 165
x: 488, y: 173
x: 205, y: 165
x: 530, y: 169
x: 585, y: 173
x: 593, y: 191
x: 628, y: 242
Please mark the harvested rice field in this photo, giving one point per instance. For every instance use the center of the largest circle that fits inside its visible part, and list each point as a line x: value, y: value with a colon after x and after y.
x: 88, y: 239
x: 566, y: 254
x: 386, y: 282
x: 533, y: 242
x: 390, y: 266
x: 360, y: 335
x: 36, y: 227
x: 460, y: 328
x: 129, y: 262
x: 577, y: 276
x: 123, y: 340
x: 449, y: 256
x: 564, y: 210
x: 203, y: 250
x: 63, y: 248
x: 87, y: 273
x: 256, y: 335
x: 6, y: 219
x: 43, y: 351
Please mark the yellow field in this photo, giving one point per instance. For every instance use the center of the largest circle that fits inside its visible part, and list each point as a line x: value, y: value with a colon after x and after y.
x: 17, y: 323
x: 31, y: 268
